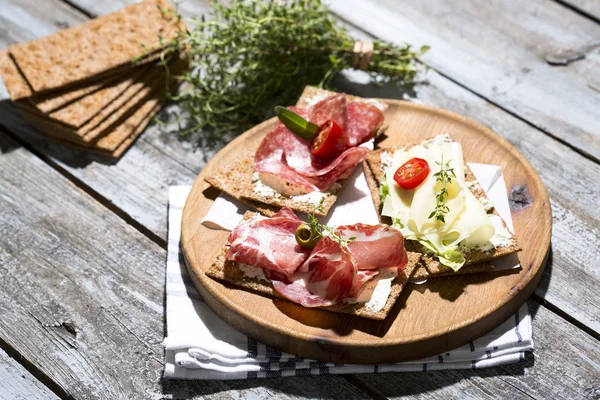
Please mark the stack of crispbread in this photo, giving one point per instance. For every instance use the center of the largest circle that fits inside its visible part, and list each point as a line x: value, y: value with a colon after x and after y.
x: 81, y: 86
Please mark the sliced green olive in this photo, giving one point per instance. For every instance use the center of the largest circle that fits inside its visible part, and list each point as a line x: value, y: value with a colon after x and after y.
x: 307, y: 237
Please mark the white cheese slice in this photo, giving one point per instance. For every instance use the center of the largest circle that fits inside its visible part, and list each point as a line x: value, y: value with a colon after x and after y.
x: 466, y: 220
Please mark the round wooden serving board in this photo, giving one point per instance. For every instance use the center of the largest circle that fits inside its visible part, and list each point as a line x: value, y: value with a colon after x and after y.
x: 427, y: 319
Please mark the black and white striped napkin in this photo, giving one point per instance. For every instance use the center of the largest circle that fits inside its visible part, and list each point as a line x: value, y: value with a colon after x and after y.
x: 199, y: 345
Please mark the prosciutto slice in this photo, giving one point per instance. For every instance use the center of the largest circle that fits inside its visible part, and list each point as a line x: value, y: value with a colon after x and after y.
x: 375, y: 246
x: 331, y: 276
x: 268, y: 243
x: 363, y: 121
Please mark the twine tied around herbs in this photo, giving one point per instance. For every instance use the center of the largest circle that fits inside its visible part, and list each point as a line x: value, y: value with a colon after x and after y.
x: 363, y: 50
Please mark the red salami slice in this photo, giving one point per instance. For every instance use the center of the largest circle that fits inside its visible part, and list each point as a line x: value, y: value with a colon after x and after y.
x: 285, y: 163
x: 330, y: 108
x: 268, y: 243
x: 363, y: 121
x: 269, y: 161
x: 332, y: 273
x: 375, y: 246
x: 299, y: 158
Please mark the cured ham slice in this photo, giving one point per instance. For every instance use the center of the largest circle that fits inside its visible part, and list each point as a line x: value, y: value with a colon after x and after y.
x: 268, y: 243
x: 363, y: 121
x: 328, y: 273
x: 331, y: 276
x: 362, y: 277
x: 375, y: 246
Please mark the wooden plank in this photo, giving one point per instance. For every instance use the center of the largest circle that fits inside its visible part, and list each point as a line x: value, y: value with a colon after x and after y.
x: 564, y: 366
x: 82, y: 292
x: 496, y: 49
x: 587, y: 7
x: 157, y: 161
x: 16, y: 383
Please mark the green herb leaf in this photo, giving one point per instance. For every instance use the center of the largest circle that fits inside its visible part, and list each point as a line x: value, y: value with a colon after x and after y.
x: 248, y: 56
x: 443, y: 176
x: 295, y: 123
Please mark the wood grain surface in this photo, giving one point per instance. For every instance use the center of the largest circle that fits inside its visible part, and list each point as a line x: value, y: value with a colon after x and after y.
x: 565, y: 364
x: 428, y: 319
x: 16, y: 383
x: 496, y: 49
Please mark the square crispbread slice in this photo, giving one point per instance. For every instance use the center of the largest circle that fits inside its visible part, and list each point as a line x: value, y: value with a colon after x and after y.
x: 107, y: 99
x: 117, y: 126
x: 121, y: 147
x: 229, y: 271
x: 476, y: 260
x: 236, y: 179
x: 108, y: 117
x: 98, y: 47
x: 16, y: 85
x: 124, y: 132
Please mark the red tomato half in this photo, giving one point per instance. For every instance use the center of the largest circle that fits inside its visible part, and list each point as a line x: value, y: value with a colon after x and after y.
x: 329, y: 140
x: 412, y: 173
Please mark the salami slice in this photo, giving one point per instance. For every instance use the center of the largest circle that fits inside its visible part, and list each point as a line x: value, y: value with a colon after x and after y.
x: 363, y: 121
x: 269, y: 161
x: 330, y: 108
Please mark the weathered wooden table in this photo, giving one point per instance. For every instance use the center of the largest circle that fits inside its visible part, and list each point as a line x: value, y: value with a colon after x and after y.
x: 83, y: 242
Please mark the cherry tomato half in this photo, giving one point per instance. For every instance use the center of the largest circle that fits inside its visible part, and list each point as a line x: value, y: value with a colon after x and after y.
x: 329, y: 140
x: 412, y: 173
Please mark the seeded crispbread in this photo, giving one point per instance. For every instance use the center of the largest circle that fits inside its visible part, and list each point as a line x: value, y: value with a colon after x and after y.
x: 116, y: 127
x: 120, y: 136
x: 229, y: 271
x: 16, y: 85
x: 107, y: 100
x: 102, y: 46
x: 476, y: 260
x: 134, y: 133
x: 236, y: 178
x: 127, y: 103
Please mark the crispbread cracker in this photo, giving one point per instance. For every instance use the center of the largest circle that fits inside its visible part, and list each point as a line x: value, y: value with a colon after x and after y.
x: 61, y: 98
x: 115, y: 136
x: 108, y: 99
x: 109, y: 133
x: 476, y: 260
x: 123, y: 146
x: 97, y: 47
x: 110, y: 116
x: 423, y: 272
x: 229, y: 271
x: 236, y: 179
x: 16, y: 85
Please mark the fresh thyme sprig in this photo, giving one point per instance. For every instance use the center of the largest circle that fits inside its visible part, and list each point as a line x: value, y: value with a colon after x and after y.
x: 249, y: 56
x: 324, y: 230
x: 444, y: 177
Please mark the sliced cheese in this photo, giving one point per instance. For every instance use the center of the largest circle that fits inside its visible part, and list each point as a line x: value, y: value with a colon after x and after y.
x: 466, y: 221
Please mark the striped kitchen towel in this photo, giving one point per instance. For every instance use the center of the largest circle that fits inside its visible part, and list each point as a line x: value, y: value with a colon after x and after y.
x: 199, y: 345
